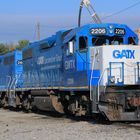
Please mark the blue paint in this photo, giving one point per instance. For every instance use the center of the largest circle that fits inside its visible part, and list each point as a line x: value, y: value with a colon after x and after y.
x: 10, y: 69
x: 47, y: 63
x: 95, y: 77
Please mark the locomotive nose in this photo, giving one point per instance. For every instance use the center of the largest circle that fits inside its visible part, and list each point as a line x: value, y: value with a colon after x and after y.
x: 118, y: 64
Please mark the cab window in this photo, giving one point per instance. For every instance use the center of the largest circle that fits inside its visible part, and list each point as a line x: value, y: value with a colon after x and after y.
x: 132, y: 41
x: 115, y: 41
x: 99, y: 41
x: 83, y: 43
x: 70, y: 47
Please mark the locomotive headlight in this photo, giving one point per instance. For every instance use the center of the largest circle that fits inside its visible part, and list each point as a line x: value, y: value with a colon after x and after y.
x: 111, y: 31
x: 112, y: 79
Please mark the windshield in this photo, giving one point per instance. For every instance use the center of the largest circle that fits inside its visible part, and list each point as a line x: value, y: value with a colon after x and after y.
x: 100, y: 41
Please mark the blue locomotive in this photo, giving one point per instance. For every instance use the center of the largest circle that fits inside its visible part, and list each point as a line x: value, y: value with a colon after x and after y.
x: 93, y: 69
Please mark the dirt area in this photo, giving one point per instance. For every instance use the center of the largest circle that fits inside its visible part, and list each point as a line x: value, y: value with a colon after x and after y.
x: 22, y: 126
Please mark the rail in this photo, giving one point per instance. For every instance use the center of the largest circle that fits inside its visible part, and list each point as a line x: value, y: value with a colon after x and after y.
x: 92, y: 70
x: 98, y: 93
x: 101, y: 77
x: 9, y: 83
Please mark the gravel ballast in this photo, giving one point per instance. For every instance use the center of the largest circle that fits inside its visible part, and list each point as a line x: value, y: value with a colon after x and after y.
x: 31, y: 126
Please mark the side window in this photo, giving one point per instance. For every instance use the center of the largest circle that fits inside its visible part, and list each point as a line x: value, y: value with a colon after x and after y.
x: 9, y: 60
x: 132, y: 40
x: 70, y: 48
x: 83, y: 43
x: 44, y: 46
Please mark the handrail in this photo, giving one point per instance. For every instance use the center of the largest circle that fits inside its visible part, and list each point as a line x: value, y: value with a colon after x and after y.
x: 9, y: 82
x: 91, y: 80
x: 92, y: 70
x: 12, y: 82
x: 16, y: 80
x: 100, y: 81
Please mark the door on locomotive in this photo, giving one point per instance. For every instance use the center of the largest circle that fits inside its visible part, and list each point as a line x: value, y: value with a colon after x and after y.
x: 69, y: 63
x: 75, y: 60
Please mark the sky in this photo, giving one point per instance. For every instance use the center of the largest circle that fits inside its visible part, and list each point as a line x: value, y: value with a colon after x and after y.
x: 18, y: 18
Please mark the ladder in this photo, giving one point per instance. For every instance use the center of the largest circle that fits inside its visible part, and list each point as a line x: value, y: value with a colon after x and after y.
x: 11, y: 90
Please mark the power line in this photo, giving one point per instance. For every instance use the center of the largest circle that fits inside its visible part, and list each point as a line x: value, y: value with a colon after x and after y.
x: 57, y: 26
x: 116, y: 13
x: 39, y: 26
x: 121, y: 11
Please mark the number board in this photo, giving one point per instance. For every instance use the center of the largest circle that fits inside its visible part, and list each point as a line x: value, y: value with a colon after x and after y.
x: 120, y: 31
x: 19, y: 62
x: 98, y: 31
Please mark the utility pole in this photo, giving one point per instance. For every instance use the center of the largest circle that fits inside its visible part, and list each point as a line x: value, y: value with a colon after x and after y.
x: 38, y: 30
x: 138, y: 33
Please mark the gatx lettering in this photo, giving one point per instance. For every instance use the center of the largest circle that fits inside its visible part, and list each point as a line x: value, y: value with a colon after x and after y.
x: 128, y: 54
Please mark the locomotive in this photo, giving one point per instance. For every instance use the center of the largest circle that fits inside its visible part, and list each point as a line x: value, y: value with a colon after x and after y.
x: 93, y: 69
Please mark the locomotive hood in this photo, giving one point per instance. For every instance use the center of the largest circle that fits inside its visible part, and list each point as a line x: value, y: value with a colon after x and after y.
x: 118, y: 64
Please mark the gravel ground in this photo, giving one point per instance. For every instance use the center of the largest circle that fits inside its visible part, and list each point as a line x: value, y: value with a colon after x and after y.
x: 22, y: 126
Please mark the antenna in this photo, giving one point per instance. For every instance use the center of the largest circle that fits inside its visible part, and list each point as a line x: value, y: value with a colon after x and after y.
x: 91, y: 11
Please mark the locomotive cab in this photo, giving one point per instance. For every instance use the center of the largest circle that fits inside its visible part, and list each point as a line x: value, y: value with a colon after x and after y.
x: 106, y: 56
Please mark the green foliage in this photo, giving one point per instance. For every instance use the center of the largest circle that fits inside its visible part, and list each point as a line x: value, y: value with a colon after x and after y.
x: 22, y: 44
x: 3, y: 48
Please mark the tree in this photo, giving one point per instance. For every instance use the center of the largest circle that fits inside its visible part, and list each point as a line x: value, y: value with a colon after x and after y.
x: 22, y: 44
x: 3, y: 48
